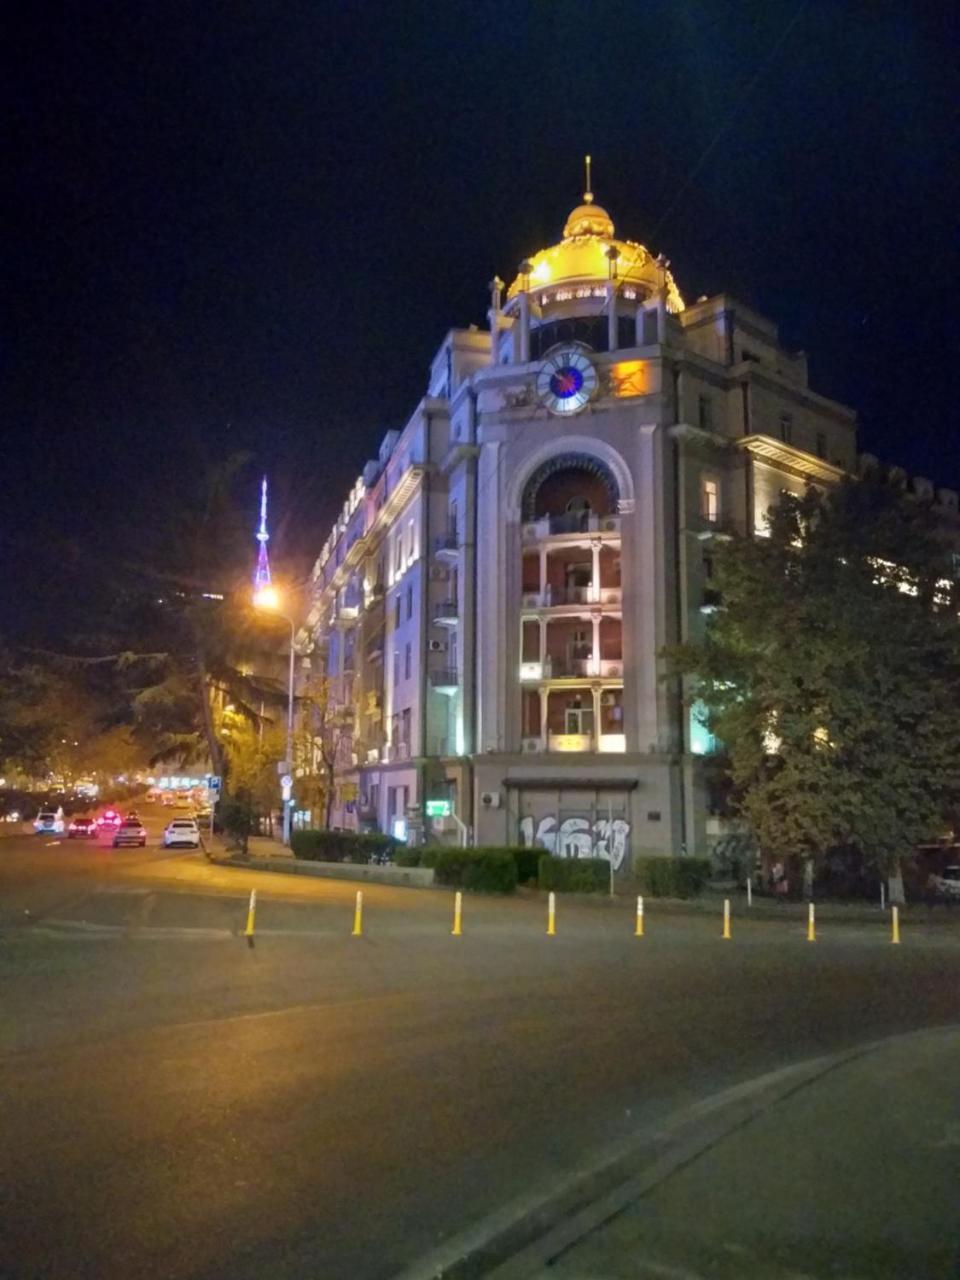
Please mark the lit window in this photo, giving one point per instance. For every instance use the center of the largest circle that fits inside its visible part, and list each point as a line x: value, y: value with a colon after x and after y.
x: 709, y: 499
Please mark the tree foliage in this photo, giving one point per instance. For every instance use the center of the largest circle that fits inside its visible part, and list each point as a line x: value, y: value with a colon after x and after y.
x: 831, y: 673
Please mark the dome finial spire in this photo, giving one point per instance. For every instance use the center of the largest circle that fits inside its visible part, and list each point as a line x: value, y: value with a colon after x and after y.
x: 588, y: 193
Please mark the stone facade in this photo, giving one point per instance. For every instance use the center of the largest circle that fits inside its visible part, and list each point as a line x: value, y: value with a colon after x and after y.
x: 494, y: 600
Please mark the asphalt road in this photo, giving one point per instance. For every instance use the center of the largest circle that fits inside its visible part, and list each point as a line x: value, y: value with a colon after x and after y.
x: 175, y: 1104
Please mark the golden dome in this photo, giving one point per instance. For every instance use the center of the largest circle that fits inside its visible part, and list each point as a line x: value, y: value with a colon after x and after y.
x: 584, y: 255
x: 588, y: 219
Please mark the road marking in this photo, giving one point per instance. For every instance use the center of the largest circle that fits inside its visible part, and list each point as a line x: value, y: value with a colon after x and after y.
x: 53, y: 842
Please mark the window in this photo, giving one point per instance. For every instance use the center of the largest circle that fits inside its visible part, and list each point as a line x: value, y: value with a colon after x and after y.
x: 452, y: 522
x: 399, y: 556
x: 396, y: 612
x: 709, y: 499
x: 405, y: 725
x: 410, y: 600
x: 407, y: 662
x: 396, y: 667
x: 821, y: 445
x: 650, y: 330
x: 410, y: 541
x: 786, y: 428
x: 705, y: 413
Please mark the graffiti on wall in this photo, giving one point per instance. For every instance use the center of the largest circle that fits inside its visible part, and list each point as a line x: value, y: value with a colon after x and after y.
x: 578, y: 837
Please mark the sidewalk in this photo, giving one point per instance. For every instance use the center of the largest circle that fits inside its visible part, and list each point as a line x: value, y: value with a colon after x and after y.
x: 851, y: 1173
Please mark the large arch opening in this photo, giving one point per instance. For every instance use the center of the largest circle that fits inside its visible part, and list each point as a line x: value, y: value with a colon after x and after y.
x: 571, y: 487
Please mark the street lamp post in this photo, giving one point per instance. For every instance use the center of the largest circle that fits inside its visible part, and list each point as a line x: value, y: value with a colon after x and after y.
x: 268, y: 599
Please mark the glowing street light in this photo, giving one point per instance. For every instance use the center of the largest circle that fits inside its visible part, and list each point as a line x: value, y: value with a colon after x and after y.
x: 268, y: 598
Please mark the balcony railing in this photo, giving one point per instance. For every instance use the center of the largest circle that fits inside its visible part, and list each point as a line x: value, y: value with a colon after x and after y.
x: 557, y: 597
x: 445, y: 680
x: 572, y: 669
x: 447, y: 546
x: 570, y: 742
x: 570, y: 522
x: 446, y: 613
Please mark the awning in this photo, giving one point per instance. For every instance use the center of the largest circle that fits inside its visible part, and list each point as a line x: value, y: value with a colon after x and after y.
x: 573, y: 784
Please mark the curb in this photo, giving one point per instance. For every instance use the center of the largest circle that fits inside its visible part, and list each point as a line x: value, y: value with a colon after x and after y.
x: 520, y: 1240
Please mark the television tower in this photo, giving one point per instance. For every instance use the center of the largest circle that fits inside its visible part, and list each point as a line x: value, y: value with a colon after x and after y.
x: 261, y: 578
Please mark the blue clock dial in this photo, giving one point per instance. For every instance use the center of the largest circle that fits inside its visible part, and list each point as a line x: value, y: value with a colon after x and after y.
x: 566, y: 381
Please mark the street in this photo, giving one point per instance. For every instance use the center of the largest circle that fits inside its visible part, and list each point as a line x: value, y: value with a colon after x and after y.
x: 178, y: 1104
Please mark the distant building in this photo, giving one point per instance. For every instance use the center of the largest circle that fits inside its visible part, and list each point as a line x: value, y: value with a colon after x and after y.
x: 492, y: 603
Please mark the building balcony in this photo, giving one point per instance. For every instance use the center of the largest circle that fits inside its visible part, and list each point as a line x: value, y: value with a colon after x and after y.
x: 444, y: 681
x: 446, y: 614
x: 572, y: 669
x: 567, y: 597
x: 570, y: 742
x: 447, y: 547
x: 607, y: 743
x: 573, y: 524
x: 711, y: 600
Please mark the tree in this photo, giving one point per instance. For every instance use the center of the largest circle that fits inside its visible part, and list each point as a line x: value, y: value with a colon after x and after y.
x: 323, y: 730
x: 252, y: 749
x: 831, y: 674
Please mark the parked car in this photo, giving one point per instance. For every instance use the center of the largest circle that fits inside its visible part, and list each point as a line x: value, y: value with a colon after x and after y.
x: 82, y: 828
x: 48, y: 824
x: 947, y: 884
x: 182, y: 831
x: 132, y: 831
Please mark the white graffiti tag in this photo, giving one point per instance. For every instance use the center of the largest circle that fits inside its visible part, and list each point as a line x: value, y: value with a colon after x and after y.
x: 579, y: 838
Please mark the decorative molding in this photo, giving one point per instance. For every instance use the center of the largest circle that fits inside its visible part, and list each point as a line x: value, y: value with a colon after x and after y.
x: 766, y: 449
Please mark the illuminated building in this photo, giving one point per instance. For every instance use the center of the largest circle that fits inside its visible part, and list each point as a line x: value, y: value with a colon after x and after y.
x: 495, y: 597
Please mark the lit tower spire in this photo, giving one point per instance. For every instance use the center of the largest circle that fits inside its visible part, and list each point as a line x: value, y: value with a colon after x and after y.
x: 261, y: 578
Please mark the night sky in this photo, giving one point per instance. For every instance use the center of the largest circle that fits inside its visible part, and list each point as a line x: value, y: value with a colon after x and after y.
x: 248, y: 226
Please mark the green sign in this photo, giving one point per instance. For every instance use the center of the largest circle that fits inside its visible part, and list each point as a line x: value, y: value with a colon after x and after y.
x: 438, y: 809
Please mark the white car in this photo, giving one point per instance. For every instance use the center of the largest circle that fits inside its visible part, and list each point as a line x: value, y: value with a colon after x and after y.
x: 947, y: 885
x: 182, y: 831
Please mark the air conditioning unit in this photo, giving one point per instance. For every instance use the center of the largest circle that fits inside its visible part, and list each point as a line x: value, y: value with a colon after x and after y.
x: 490, y: 799
x: 438, y: 646
x: 438, y: 573
x: 531, y: 746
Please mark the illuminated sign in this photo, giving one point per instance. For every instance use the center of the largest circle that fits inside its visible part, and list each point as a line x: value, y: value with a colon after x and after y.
x: 438, y: 809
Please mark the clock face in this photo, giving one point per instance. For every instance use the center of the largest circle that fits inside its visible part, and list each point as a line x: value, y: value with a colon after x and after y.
x: 566, y: 380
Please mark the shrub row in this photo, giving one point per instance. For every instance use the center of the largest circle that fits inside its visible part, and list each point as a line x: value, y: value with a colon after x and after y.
x: 343, y: 846
x: 672, y: 877
x: 574, y: 875
x: 483, y: 870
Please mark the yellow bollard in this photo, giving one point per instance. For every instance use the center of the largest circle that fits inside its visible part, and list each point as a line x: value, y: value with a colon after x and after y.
x: 457, y: 929
x: 638, y: 933
x: 726, y: 919
x: 358, y: 916
x: 251, y: 918
x: 895, y: 923
x: 551, y: 915
x: 811, y: 925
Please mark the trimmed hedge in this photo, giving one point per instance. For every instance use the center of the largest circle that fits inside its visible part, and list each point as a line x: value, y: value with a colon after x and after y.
x: 574, y: 875
x: 672, y: 877
x: 408, y: 858
x: 342, y: 846
x: 483, y: 870
x: 528, y: 863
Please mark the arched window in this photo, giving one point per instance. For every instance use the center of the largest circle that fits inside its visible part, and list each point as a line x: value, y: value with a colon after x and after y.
x: 574, y: 485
